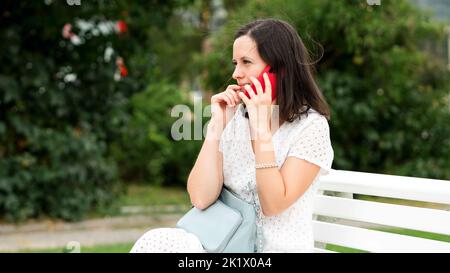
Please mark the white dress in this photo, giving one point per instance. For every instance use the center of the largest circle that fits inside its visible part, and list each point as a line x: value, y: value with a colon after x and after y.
x: 307, y: 138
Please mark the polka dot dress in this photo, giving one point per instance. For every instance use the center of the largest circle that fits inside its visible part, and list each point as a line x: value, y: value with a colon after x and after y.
x: 307, y: 138
x: 167, y: 240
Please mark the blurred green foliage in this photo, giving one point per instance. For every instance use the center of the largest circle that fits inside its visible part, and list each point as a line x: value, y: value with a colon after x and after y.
x: 146, y: 151
x: 62, y: 107
x: 387, y: 89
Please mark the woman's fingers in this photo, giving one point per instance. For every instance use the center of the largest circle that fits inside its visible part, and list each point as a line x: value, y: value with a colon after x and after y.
x: 235, y: 87
x: 230, y: 96
x: 234, y: 95
x: 232, y: 91
x: 250, y: 91
x: 228, y: 99
x: 244, y: 97
x: 268, y: 86
x: 257, y: 85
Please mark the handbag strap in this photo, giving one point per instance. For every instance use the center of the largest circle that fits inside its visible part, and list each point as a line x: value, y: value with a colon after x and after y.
x: 259, y: 233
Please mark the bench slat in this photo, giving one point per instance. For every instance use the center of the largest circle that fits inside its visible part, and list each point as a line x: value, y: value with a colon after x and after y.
x: 424, y: 219
x: 374, y: 241
x: 410, y: 188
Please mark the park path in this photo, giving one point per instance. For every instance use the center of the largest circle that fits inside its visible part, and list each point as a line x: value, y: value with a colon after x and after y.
x: 103, y: 231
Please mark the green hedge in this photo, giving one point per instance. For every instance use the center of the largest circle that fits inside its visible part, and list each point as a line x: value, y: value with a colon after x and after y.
x: 62, y: 104
x: 61, y: 174
x: 146, y: 151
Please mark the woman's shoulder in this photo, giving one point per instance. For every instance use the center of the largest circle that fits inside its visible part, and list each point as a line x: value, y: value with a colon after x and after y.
x: 309, y: 118
x: 311, y: 123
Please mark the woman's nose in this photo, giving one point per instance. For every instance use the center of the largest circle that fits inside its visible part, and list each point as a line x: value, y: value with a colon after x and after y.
x: 237, y: 74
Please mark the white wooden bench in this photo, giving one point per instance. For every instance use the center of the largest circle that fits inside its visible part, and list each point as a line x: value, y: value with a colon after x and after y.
x: 344, y: 221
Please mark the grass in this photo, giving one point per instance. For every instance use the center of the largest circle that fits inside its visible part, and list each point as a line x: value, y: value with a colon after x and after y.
x: 409, y: 232
x: 112, y: 248
x: 150, y: 195
x: 397, y: 201
x: 145, y: 196
x: 416, y: 233
x: 343, y: 249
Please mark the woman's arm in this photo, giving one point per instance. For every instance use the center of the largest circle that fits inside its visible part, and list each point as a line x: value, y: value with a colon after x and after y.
x: 310, y: 153
x: 279, y: 189
x: 206, y: 178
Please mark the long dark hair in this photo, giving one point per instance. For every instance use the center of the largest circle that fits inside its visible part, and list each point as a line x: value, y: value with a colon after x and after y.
x: 280, y: 46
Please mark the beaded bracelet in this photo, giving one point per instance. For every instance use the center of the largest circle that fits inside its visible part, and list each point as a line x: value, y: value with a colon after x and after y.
x: 265, y: 165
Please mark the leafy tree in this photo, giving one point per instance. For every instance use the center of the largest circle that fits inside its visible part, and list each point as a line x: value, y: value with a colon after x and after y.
x: 389, y: 96
x: 66, y: 78
x: 146, y: 152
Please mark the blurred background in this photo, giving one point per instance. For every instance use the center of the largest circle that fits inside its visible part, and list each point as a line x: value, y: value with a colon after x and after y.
x: 87, y: 160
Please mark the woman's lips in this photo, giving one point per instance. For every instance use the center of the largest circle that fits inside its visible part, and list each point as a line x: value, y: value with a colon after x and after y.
x: 242, y: 85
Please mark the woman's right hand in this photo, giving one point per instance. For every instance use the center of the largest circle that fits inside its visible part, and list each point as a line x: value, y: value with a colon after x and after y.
x: 220, y: 101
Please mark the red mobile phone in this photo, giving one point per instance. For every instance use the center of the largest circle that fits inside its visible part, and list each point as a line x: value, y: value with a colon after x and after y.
x: 272, y: 79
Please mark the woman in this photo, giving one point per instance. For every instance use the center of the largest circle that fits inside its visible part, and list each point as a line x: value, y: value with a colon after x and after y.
x: 278, y: 166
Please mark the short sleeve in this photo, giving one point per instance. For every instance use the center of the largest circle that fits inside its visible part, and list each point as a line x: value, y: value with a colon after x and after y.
x: 313, y: 144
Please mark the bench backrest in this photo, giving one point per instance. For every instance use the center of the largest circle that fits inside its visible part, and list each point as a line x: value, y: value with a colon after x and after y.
x: 353, y: 223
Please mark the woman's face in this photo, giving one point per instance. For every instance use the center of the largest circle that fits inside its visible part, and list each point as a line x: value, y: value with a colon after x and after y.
x: 246, y: 60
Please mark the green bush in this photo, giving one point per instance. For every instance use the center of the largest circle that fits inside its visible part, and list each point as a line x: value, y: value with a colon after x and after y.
x: 61, y: 174
x: 389, y: 96
x: 146, y: 150
x: 63, y: 101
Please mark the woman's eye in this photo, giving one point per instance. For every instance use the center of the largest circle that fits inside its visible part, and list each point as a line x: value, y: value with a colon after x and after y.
x: 245, y: 62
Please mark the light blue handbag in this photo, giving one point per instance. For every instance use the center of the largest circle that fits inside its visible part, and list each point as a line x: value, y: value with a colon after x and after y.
x: 228, y: 225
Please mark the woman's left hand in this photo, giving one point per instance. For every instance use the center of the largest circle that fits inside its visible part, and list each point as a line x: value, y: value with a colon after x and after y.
x: 259, y: 106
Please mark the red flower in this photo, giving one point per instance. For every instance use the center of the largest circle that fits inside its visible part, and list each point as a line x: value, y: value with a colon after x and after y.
x: 121, y: 26
x: 123, y: 71
x: 121, y: 65
x: 67, y: 31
